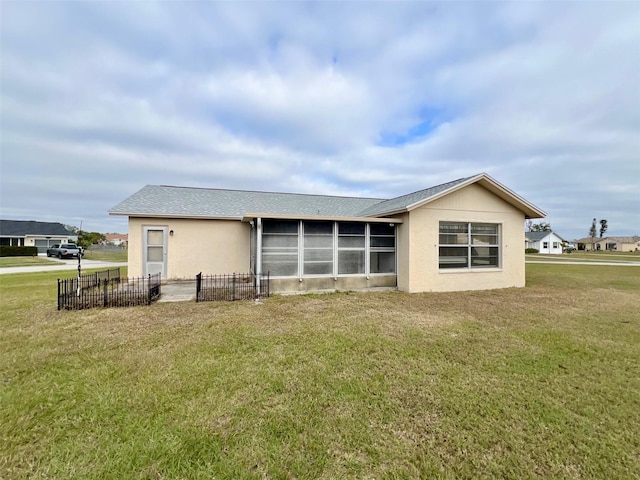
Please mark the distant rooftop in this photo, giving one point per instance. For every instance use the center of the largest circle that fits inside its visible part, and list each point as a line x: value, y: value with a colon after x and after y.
x: 20, y: 228
x: 537, y: 236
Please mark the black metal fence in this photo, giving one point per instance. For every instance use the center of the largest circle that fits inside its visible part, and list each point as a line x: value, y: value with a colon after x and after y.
x: 107, y: 289
x: 237, y: 286
x: 91, y: 280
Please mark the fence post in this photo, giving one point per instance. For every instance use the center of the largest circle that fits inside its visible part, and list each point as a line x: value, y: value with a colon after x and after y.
x: 233, y: 291
x: 149, y: 291
x: 198, y: 286
x: 105, y: 295
x: 58, y: 294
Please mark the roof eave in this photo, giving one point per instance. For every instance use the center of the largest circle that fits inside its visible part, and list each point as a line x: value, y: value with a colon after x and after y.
x: 529, y: 209
x: 283, y: 216
x: 175, y: 216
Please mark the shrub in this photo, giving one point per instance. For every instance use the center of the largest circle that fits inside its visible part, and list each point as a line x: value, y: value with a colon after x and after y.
x: 531, y: 250
x: 7, y: 251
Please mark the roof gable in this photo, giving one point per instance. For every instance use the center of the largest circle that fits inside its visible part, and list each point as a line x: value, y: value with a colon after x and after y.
x: 414, y: 200
x: 20, y: 228
x: 405, y: 202
x: 537, y: 236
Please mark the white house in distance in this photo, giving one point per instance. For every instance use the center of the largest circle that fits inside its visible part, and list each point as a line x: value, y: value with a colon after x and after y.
x: 462, y: 235
x: 545, y: 242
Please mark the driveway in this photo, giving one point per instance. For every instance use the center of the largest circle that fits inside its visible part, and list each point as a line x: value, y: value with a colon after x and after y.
x: 70, y: 264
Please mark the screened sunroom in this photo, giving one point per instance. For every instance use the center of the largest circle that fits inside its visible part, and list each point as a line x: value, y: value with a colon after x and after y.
x: 325, y: 252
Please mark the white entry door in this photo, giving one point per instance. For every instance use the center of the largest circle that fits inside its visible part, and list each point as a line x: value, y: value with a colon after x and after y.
x: 155, y: 250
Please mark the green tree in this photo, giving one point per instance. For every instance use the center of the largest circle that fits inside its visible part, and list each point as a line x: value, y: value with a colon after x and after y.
x: 603, y: 226
x: 86, y: 239
x: 539, y: 227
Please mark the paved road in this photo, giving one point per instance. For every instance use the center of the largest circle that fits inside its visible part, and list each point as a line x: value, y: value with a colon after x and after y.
x: 71, y: 264
x: 568, y: 262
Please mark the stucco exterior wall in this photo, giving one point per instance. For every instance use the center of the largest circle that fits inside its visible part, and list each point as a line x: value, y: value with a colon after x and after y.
x: 628, y: 247
x: 470, y: 204
x: 619, y: 246
x: 403, y: 252
x: 207, y: 246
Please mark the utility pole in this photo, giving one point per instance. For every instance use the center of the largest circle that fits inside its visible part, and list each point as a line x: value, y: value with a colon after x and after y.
x: 79, y: 260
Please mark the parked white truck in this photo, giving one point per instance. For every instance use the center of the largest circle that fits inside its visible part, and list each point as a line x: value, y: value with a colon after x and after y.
x: 63, y: 250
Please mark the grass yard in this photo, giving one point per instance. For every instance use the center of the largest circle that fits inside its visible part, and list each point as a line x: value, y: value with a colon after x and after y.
x: 540, y: 382
x: 106, y: 255
x: 25, y: 261
x: 581, y: 256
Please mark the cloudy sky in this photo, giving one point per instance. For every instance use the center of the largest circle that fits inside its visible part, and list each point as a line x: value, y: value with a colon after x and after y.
x: 357, y: 98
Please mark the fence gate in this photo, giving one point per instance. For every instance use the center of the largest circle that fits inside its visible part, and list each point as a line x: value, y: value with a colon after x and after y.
x: 231, y: 287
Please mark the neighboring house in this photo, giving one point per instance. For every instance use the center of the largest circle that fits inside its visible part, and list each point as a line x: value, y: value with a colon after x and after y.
x: 34, y: 234
x: 618, y: 244
x: 118, y: 239
x: 463, y: 235
x: 545, y: 242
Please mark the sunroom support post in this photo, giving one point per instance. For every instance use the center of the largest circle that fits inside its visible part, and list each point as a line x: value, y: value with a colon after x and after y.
x: 258, y: 254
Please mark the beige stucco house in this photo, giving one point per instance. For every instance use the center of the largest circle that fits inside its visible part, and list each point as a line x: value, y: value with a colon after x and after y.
x: 618, y: 244
x: 467, y: 234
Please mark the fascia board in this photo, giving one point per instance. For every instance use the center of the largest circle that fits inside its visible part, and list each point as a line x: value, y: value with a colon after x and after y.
x: 273, y: 216
x: 174, y: 216
x: 507, y: 195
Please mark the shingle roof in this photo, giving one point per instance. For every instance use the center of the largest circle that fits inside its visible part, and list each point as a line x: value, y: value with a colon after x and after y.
x: 20, y: 228
x: 172, y: 201
x: 537, y: 236
x: 217, y: 203
x: 632, y: 239
x: 406, y: 201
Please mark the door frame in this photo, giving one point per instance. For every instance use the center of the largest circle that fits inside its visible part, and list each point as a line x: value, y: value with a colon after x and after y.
x: 165, y: 245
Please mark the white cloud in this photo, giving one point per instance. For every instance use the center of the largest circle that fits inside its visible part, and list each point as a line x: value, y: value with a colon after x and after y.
x: 374, y: 99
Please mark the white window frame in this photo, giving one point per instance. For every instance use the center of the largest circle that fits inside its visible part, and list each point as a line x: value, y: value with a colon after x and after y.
x: 274, y: 251
x: 335, y: 249
x: 371, y: 249
x: 362, y: 249
x: 469, y: 246
x: 304, y: 249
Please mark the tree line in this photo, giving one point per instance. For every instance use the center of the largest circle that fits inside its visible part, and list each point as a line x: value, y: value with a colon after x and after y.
x: 86, y: 239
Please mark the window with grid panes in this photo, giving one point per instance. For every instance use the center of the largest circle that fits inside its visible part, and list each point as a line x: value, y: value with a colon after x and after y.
x: 280, y: 247
x: 469, y: 245
x: 351, y: 248
x: 382, y: 248
x: 318, y: 248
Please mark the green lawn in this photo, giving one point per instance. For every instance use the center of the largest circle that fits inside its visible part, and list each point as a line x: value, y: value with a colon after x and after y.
x: 540, y: 382
x: 25, y: 261
x: 111, y: 255
x: 581, y: 256
x: 104, y: 255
